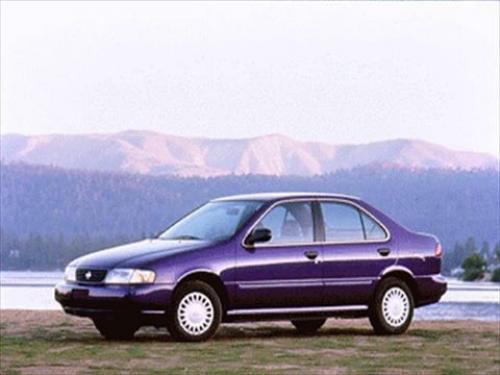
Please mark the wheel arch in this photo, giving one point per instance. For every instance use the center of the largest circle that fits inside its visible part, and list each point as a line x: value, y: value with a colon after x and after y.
x: 209, y: 277
x: 405, y: 275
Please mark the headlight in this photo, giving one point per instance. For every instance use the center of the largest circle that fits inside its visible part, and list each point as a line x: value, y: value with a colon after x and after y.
x: 130, y: 276
x: 70, y: 273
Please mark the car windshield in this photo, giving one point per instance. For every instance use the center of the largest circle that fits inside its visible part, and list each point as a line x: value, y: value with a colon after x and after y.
x: 214, y: 221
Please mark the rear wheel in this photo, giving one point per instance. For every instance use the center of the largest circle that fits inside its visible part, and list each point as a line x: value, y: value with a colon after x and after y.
x: 116, y: 328
x: 196, y: 312
x: 392, y: 309
x: 308, y: 327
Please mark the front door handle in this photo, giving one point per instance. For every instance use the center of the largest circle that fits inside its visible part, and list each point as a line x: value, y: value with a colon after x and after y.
x: 311, y: 254
x: 384, y: 251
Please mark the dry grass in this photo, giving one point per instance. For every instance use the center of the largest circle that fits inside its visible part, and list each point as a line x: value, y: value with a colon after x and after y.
x: 53, y: 343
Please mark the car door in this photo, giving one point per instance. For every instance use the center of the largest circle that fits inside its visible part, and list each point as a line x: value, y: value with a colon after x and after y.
x: 357, y: 248
x: 286, y: 270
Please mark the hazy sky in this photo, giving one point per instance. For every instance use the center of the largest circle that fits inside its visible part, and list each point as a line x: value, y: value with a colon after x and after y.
x: 335, y: 72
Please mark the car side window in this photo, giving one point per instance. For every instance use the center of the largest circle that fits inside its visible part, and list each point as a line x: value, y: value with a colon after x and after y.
x: 289, y: 223
x: 342, y: 222
x: 373, y: 230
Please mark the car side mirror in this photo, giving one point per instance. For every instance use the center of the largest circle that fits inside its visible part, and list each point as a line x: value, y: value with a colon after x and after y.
x: 259, y: 235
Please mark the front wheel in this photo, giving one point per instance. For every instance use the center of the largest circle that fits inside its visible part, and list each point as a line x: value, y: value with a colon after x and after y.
x: 196, y: 312
x: 308, y: 327
x: 392, y: 309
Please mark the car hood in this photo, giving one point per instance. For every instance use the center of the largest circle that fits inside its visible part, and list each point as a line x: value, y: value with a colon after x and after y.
x: 113, y: 257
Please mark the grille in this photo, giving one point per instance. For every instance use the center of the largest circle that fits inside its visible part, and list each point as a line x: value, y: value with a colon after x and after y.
x: 89, y: 275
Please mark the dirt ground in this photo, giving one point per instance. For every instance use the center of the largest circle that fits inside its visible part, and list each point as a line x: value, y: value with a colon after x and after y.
x: 43, y: 342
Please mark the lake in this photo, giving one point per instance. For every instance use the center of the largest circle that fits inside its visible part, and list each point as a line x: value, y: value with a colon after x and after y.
x: 463, y: 300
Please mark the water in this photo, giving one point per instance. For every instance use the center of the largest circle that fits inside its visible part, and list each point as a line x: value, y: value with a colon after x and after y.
x: 29, y: 290
x: 463, y: 300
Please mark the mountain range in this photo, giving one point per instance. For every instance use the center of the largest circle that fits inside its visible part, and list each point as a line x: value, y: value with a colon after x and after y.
x: 147, y: 152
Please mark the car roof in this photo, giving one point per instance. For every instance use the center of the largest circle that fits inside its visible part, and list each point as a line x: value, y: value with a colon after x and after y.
x: 277, y: 196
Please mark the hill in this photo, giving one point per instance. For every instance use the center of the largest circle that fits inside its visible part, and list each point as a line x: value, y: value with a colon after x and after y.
x: 277, y: 155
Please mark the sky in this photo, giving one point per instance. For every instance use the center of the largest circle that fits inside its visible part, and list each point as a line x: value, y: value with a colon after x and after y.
x: 335, y: 72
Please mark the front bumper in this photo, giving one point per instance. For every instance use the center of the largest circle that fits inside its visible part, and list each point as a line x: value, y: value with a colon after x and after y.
x: 100, y: 299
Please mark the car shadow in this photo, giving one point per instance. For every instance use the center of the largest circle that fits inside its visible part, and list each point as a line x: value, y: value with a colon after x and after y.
x: 227, y: 332
x: 246, y: 333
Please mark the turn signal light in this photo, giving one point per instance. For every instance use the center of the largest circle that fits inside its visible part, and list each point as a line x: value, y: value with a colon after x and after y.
x: 438, y: 250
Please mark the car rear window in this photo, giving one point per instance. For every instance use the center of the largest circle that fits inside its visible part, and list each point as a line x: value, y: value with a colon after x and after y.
x: 373, y: 231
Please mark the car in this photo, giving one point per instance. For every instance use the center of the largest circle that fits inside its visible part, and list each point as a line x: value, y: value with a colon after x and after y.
x: 303, y: 257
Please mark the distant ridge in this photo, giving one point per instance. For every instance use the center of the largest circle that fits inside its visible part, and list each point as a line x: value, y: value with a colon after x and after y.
x: 154, y: 153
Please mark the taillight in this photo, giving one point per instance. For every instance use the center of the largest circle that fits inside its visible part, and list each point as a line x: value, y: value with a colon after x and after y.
x: 438, y: 250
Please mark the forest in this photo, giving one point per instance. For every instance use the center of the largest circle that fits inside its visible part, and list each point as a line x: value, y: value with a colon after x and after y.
x: 51, y: 215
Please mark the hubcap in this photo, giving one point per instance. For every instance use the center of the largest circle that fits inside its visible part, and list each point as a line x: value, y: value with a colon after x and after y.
x: 395, y: 306
x: 195, y: 313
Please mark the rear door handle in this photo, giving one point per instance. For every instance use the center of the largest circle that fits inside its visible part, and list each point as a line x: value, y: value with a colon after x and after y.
x: 384, y: 251
x: 311, y: 254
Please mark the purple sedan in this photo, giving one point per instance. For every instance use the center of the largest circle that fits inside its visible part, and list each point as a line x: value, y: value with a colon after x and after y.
x: 303, y: 257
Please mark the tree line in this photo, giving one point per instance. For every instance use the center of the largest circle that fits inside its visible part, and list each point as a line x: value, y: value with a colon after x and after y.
x: 35, y: 252
x: 472, y: 262
x: 45, y: 252
x: 50, y: 215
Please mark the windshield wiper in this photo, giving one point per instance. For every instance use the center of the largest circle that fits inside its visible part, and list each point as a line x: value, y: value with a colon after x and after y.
x: 184, y: 237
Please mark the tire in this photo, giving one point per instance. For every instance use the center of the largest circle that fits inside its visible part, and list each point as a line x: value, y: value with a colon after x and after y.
x: 196, y: 312
x: 308, y: 327
x: 392, y: 308
x: 116, y: 328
